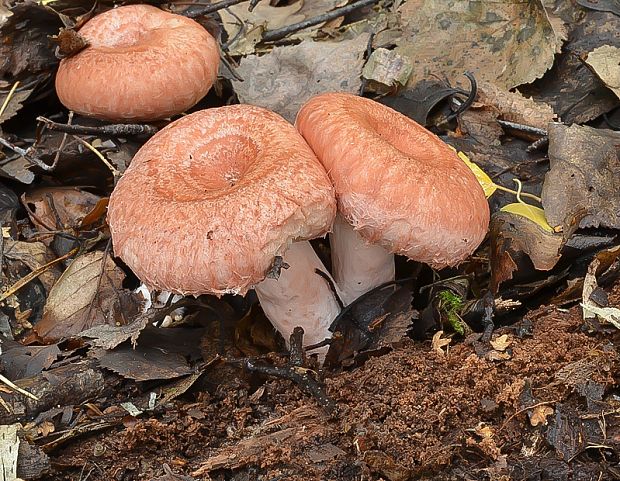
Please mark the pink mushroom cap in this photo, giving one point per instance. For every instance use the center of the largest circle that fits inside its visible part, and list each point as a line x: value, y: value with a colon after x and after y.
x: 397, y: 184
x: 141, y: 64
x: 210, y: 200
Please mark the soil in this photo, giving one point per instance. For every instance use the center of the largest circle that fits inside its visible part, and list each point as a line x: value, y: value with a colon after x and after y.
x: 537, y: 408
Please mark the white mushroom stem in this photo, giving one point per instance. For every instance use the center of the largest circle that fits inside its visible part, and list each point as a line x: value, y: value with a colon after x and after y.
x: 357, y: 266
x: 299, y: 297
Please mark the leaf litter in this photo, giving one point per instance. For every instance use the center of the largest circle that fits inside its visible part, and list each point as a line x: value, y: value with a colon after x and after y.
x: 218, y: 394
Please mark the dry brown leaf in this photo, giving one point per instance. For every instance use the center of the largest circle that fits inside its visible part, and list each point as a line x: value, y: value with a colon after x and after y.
x: 266, y: 17
x: 509, y: 43
x: 514, y: 107
x: 58, y: 208
x: 605, y: 61
x: 438, y: 343
x: 501, y: 343
x: 89, y: 293
x: 584, y: 179
x: 285, y: 78
x: 34, y: 255
x: 540, y: 414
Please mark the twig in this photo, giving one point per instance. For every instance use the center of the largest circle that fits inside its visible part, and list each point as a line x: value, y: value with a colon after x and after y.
x: 25, y: 153
x: 526, y: 129
x: 540, y: 144
x: 17, y: 388
x: 280, y: 33
x: 113, y: 130
x: 214, y: 8
x: 113, y: 169
x: 5, y: 104
x: 296, y: 352
x: 302, y: 377
x: 61, y: 147
x: 36, y: 273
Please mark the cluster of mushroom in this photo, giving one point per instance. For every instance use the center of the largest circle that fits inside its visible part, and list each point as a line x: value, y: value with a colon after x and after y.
x: 228, y: 190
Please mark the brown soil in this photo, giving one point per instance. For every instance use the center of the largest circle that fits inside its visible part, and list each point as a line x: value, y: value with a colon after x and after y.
x: 409, y: 414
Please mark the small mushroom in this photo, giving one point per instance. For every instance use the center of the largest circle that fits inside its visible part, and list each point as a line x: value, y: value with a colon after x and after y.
x: 141, y: 64
x: 400, y: 189
x: 210, y: 201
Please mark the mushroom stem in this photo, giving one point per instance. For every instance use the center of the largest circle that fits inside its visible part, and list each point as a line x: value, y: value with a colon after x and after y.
x: 299, y: 297
x: 357, y: 265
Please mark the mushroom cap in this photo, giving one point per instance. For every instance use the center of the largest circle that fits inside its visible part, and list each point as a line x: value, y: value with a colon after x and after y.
x: 396, y: 183
x: 142, y: 64
x: 210, y: 200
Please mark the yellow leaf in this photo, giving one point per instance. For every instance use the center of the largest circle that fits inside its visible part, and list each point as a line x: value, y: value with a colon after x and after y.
x: 483, y: 179
x: 535, y: 214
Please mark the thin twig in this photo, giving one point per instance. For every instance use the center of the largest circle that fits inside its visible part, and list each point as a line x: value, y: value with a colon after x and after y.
x: 61, y: 147
x: 14, y: 386
x: 5, y: 104
x: 280, y: 33
x: 25, y: 153
x: 113, y: 169
x: 302, y: 377
x: 207, y: 9
x: 526, y: 129
x: 113, y: 130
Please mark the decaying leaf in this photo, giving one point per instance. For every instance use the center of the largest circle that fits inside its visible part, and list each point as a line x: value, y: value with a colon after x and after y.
x: 514, y: 235
x: 540, y: 414
x: 34, y: 255
x: 509, y: 43
x: 514, y: 107
x: 88, y: 293
x: 14, y: 103
x: 439, y: 343
x: 286, y: 77
x: 25, y: 51
x: 371, y: 324
x: 158, y: 354
x: 584, y: 179
x: 501, y: 343
x: 388, y: 68
x: 266, y: 17
x: 484, y: 180
x: 605, y: 61
x: 59, y: 208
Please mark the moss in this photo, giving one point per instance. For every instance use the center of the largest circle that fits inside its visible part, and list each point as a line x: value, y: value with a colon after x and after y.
x: 450, y: 306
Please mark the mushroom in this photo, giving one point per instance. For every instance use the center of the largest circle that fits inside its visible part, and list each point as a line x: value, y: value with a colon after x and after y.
x: 141, y: 64
x: 210, y: 201
x: 400, y: 189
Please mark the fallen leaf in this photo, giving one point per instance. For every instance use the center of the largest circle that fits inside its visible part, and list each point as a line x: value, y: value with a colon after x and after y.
x: 484, y: 180
x: 540, y: 414
x: 60, y: 208
x: 286, y: 77
x: 530, y: 212
x: 514, y: 107
x: 15, y: 103
x: 513, y: 236
x: 34, y: 255
x: 89, y: 293
x: 584, y: 177
x: 509, y: 43
x: 388, y: 68
x: 605, y: 61
x: 501, y: 343
x: 267, y: 17
x: 438, y: 343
